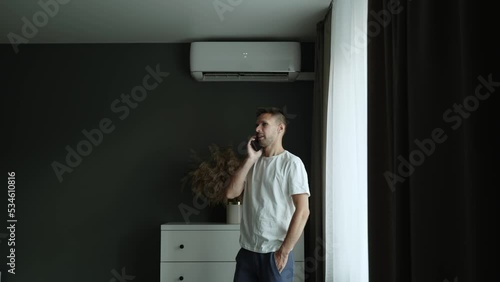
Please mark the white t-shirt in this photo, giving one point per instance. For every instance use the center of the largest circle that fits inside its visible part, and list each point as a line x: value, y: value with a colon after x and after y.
x: 267, y: 203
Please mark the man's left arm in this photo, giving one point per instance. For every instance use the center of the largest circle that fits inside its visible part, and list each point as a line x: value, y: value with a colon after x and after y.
x: 297, y: 224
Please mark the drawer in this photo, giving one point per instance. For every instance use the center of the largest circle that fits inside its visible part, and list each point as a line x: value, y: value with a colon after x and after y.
x: 209, y: 271
x: 197, y: 272
x: 195, y: 246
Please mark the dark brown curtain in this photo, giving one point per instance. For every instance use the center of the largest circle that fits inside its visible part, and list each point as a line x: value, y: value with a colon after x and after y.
x: 314, y: 244
x: 432, y: 108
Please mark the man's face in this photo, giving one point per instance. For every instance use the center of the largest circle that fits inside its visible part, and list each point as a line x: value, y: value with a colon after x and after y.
x: 267, y: 129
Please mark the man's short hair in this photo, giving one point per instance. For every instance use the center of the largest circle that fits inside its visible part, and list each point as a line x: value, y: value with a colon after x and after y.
x: 275, y: 112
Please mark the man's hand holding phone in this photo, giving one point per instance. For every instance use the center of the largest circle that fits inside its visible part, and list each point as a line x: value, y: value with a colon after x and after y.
x: 254, y: 149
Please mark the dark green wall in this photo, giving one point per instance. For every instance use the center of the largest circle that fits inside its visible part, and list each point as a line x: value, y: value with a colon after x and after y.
x: 106, y: 213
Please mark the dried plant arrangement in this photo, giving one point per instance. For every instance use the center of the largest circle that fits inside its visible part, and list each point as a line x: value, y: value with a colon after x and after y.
x: 210, y: 177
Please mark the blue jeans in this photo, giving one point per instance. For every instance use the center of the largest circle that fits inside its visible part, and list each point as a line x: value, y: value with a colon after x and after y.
x: 256, y: 267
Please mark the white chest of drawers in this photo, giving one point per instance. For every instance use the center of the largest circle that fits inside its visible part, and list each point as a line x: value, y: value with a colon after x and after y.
x: 206, y: 253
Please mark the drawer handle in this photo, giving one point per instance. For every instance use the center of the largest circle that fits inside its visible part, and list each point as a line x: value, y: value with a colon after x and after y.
x: 181, y: 278
x: 182, y: 247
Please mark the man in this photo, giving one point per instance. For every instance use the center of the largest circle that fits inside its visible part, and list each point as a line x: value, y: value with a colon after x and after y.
x: 275, y: 203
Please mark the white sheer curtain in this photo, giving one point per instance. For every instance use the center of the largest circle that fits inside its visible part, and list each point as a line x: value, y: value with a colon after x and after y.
x: 346, y: 231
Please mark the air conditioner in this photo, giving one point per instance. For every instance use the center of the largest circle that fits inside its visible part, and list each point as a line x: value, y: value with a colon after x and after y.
x: 245, y: 61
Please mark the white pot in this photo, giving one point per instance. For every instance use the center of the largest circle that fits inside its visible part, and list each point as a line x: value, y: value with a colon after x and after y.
x: 233, y: 213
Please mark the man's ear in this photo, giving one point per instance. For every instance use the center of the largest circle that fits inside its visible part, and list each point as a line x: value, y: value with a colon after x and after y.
x: 281, y: 127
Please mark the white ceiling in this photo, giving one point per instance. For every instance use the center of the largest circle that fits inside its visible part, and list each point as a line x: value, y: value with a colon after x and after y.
x: 164, y: 21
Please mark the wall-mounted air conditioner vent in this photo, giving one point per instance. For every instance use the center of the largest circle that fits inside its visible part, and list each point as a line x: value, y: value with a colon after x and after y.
x: 245, y: 61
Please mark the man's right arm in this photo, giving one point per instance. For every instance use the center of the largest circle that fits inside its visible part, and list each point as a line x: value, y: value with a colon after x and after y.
x: 236, y: 185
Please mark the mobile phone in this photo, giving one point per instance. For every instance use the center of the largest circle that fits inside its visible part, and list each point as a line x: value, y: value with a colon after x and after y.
x: 255, y: 145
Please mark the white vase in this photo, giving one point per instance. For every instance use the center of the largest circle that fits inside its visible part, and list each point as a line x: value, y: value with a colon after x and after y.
x: 233, y: 213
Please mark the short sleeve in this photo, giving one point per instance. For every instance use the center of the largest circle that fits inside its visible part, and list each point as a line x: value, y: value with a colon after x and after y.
x: 297, y: 178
